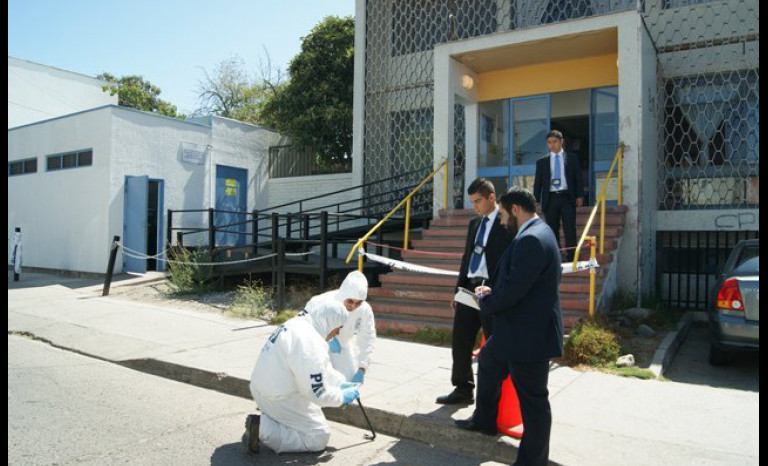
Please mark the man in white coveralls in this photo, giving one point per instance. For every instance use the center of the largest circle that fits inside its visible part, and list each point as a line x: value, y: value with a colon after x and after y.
x: 293, y: 378
x: 351, y: 351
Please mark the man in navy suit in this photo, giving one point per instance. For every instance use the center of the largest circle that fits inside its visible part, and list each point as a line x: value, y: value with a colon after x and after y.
x: 524, y: 301
x: 559, y: 188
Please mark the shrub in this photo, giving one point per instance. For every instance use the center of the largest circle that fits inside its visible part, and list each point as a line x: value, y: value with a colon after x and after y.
x: 187, y: 275
x: 592, y: 344
x: 252, y: 300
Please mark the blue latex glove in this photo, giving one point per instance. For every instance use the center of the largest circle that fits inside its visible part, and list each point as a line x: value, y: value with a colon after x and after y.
x: 346, y: 385
x: 359, y: 376
x: 350, y: 395
x: 334, y: 346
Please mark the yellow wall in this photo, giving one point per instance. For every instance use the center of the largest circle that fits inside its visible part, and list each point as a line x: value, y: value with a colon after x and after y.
x: 583, y: 73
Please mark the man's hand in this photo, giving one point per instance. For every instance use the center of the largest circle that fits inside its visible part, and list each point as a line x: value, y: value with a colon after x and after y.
x: 453, y: 305
x: 481, y: 291
x: 359, y: 376
x: 579, y: 201
x: 334, y: 346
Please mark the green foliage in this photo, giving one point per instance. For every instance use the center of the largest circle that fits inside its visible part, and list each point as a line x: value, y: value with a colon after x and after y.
x: 592, y: 344
x: 135, y: 92
x: 315, y: 106
x: 635, y: 372
x: 281, y: 317
x: 428, y: 336
x: 187, y: 275
x: 252, y: 300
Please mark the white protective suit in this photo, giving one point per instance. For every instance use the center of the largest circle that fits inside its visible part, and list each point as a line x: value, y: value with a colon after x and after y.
x: 358, y: 335
x: 293, y: 378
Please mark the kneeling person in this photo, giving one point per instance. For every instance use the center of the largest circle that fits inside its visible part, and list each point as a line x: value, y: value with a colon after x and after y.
x: 293, y: 378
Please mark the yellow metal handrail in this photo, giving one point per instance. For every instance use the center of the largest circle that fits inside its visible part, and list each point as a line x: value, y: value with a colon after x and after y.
x: 407, y: 202
x: 618, y: 159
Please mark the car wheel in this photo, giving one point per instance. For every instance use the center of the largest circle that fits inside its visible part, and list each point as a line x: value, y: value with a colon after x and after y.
x: 717, y: 356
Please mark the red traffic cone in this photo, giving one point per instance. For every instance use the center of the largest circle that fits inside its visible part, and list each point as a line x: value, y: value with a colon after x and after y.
x: 509, y: 421
x: 482, y: 343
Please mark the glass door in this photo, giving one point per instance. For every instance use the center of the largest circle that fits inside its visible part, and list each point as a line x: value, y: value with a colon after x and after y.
x: 530, y: 120
x: 604, y: 126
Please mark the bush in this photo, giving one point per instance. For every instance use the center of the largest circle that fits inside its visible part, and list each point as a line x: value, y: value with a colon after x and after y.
x: 186, y: 273
x: 592, y: 344
x: 252, y: 300
x: 281, y: 317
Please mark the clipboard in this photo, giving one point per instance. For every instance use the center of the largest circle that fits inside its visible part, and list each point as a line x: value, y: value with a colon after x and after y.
x: 467, y: 298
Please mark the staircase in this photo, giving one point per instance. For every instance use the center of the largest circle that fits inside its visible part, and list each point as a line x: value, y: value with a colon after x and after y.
x: 409, y: 301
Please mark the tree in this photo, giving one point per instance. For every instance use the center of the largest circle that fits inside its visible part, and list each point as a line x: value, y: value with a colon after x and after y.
x: 232, y: 94
x: 315, y: 106
x: 135, y: 92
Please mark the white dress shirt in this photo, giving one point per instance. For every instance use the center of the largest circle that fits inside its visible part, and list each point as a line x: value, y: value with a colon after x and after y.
x: 482, y: 269
x: 563, y: 182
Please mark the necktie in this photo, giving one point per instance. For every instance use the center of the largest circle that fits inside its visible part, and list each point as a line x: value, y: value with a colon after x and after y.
x: 557, y: 172
x: 475, y: 263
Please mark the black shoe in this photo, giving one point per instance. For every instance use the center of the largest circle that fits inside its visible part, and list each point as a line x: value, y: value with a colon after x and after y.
x: 470, y: 425
x: 456, y: 397
x: 251, y: 435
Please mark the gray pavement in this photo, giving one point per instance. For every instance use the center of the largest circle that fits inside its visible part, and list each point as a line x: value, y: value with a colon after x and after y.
x: 598, y: 419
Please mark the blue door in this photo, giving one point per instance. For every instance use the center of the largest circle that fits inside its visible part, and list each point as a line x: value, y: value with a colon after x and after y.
x: 231, y: 205
x: 135, y: 222
x: 515, y: 163
x: 604, y: 126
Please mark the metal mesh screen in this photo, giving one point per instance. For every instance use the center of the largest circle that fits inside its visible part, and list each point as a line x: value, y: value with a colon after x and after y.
x: 708, y: 86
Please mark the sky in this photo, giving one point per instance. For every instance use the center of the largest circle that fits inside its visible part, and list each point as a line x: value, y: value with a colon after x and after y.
x: 169, y: 42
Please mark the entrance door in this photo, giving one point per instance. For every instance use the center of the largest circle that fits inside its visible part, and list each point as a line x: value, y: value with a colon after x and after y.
x: 604, y: 127
x: 508, y: 156
x: 143, y: 223
x: 231, y: 204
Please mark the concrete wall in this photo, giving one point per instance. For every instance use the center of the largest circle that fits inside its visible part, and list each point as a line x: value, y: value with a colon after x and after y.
x: 63, y: 214
x: 37, y: 92
x: 284, y: 190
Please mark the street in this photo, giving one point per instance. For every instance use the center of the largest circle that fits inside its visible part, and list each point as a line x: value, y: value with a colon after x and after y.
x: 65, y: 408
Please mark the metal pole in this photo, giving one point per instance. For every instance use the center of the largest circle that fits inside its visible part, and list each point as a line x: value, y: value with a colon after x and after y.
x: 280, y: 274
x: 111, y: 266
x: 407, y: 223
x: 16, y: 255
x: 445, y: 186
x: 255, y: 233
x: 602, y: 226
x: 323, y: 250
x: 592, y: 273
x: 370, y: 426
x: 211, y: 231
x: 621, y: 177
x: 275, y: 235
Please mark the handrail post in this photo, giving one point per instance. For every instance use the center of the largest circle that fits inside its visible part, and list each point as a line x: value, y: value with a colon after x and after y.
x: 280, y: 274
x: 110, y: 264
x: 323, y: 249
x: 602, y: 226
x: 621, y: 177
x: 359, y: 261
x: 592, y: 276
x: 407, y: 223
x: 445, y: 186
x: 211, y: 230
x: 275, y: 236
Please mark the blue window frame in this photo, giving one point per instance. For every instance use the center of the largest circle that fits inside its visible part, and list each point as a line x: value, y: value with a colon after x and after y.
x: 67, y: 160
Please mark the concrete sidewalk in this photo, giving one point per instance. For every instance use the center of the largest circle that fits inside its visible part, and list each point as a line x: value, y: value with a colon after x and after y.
x: 598, y: 419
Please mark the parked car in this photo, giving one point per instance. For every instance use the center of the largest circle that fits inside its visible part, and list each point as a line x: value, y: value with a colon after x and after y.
x: 734, y: 316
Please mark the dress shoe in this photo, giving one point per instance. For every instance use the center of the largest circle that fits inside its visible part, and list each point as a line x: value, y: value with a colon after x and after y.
x: 456, y: 398
x: 469, y: 425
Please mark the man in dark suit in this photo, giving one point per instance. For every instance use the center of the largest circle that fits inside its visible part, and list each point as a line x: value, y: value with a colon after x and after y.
x: 559, y: 189
x: 486, y: 241
x: 524, y: 302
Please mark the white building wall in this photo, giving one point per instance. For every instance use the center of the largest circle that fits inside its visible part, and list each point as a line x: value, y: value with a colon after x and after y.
x: 62, y: 214
x: 37, y: 92
x: 285, y: 190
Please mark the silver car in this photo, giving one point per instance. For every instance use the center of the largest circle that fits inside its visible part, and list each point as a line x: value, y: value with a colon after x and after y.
x: 734, y: 316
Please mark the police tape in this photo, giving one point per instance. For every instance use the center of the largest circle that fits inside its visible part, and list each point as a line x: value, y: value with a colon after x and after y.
x: 567, y: 267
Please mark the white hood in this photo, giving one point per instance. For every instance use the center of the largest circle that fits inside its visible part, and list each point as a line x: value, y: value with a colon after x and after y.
x: 328, y: 316
x: 355, y: 286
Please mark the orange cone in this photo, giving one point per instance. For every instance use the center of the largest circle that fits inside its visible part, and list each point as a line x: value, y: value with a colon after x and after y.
x: 509, y: 421
x: 482, y: 343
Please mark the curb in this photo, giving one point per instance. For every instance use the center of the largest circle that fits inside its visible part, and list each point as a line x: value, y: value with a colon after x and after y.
x: 667, y: 350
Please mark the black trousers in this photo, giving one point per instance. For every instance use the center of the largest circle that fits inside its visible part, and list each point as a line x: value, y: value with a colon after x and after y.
x: 466, y: 323
x: 530, y: 381
x: 562, y: 207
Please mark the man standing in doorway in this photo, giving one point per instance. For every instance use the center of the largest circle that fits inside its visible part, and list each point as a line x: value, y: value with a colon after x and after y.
x: 559, y: 189
x: 486, y: 241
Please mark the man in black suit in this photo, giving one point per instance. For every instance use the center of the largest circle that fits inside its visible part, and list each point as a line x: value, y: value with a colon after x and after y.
x: 559, y: 189
x: 524, y: 301
x: 486, y: 241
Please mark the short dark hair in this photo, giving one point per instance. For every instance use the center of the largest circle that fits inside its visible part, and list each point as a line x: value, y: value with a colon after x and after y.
x: 555, y: 134
x: 520, y: 197
x: 484, y: 186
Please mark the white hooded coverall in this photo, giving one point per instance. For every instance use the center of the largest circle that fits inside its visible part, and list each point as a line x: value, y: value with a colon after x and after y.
x: 293, y: 378
x: 358, y: 335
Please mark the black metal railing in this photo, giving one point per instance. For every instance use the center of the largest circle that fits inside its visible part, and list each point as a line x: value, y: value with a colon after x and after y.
x: 289, y: 160
x: 688, y: 263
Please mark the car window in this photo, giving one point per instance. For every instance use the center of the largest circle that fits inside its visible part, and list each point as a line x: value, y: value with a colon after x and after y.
x: 748, y: 262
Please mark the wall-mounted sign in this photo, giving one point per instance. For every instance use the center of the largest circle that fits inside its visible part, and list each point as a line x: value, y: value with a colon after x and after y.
x: 193, y: 153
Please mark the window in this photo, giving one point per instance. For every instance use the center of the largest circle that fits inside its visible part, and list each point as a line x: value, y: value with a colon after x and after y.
x: 77, y: 159
x: 22, y: 167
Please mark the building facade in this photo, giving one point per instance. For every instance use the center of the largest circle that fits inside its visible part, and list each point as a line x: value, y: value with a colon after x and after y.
x: 480, y: 82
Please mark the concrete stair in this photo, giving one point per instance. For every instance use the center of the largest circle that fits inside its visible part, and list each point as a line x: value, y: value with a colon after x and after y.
x: 409, y: 301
